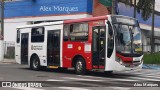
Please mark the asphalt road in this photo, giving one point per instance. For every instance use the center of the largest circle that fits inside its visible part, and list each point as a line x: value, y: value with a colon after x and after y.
x: 51, y: 79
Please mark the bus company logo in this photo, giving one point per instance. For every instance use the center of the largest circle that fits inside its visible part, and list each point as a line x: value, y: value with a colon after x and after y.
x: 6, y: 84
x: 32, y: 47
x: 36, y: 47
x: 98, y: 23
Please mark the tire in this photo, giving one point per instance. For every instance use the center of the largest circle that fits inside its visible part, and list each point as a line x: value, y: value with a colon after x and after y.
x: 35, y: 63
x: 80, y: 66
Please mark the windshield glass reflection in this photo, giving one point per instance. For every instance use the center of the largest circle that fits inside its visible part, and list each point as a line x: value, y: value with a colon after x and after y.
x: 128, y: 38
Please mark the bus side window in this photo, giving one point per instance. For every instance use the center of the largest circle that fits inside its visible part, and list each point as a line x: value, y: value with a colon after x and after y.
x: 79, y: 32
x: 18, y: 36
x: 110, y: 41
x: 66, y: 32
x: 37, y: 34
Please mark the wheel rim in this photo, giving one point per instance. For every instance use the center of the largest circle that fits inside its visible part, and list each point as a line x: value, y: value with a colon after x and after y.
x: 35, y: 63
x: 79, y: 66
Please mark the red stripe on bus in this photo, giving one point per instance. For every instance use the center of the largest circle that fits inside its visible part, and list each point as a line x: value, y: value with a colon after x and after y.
x: 86, y: 19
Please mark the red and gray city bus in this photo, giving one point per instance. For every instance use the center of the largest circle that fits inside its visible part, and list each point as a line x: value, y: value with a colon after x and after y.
x: 106, y: 43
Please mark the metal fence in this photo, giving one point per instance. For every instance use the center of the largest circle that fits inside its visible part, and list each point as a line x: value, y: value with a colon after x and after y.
x: 9, y: 50
x: 147, y: 48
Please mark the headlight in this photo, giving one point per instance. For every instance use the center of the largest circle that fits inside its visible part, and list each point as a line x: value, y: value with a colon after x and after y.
x: 119, y: 60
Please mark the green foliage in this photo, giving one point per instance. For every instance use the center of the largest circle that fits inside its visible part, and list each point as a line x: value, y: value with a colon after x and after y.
x: 145, y: 7
x: 153, y: 58
x: 106, y: 2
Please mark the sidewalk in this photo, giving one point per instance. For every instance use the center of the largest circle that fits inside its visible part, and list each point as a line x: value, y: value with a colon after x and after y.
x: 8, y: 61
x: 151, y: 66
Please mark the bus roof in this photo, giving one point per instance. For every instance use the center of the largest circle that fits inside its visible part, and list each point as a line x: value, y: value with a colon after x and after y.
x: 69, y: 21
x: 65, y: 21
x: 40, y: 24
x: 86, y: 19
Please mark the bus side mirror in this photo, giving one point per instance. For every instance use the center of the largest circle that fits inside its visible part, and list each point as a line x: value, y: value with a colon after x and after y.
x: 108, y: 22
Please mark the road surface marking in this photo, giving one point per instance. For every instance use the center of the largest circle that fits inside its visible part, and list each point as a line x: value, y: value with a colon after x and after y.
x: 26, y: 88
x: 91, y: 77
x: 115, y: 79
x: 120, y: 88
x: 81, y: 79
x: 150, y: 76
x: 145, y: 79
x: 107, y: 78
x: 72, y: 88
x: 55, y: 80
x: 147, y: 73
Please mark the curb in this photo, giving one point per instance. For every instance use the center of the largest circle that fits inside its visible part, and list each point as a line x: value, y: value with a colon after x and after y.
x: 8, y: 61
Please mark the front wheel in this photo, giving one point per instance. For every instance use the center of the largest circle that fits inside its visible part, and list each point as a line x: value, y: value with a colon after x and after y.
x: 35, y: 63
x: 80, y: 66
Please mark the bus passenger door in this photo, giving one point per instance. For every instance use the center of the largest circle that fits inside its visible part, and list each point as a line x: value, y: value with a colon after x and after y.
x: 24, y: 48
x: 98, y: 47
x: 18, y: 48
x: 53, y: 48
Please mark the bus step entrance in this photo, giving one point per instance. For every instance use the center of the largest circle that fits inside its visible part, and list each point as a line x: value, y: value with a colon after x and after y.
x: 53, y: 67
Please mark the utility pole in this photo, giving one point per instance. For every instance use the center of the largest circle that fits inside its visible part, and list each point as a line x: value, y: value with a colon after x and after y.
x: 135, y: 4
x: 113, y: 7
x: 152, y: 37
x: 2, y: 31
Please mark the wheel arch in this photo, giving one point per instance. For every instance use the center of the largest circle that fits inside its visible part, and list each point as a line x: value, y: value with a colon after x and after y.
x: 75, y: 59
x: 33, y: 55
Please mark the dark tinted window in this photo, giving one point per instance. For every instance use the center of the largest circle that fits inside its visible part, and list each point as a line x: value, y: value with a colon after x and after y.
x: 37, y: 34
x: 66, y: 32
x: 110, y: 41
x: 79, y: 32
x: 18, y: 36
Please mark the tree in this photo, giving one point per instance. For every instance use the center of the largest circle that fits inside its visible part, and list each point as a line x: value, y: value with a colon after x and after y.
x: 145, y: 7
x: 135, y: 5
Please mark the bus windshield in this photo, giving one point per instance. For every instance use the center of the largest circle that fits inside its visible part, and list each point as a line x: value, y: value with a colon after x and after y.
x: 128, y: 36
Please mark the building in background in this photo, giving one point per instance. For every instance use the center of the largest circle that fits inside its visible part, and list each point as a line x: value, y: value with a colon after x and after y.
x: 23, y: 12
x: 99, y: 9
x: 146, y: 26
